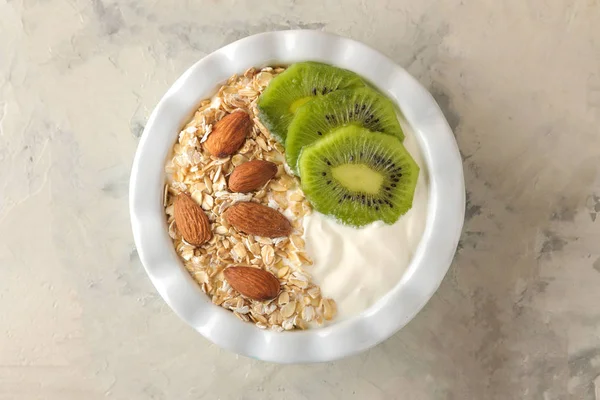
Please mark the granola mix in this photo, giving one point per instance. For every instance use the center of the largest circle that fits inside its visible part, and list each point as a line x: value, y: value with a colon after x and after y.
x: 191, y: 169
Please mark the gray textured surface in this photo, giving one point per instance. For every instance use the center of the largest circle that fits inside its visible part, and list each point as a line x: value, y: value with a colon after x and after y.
x: 518, y: 315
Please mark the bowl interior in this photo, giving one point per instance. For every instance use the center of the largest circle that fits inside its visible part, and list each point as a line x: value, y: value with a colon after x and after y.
x: 444, y: 221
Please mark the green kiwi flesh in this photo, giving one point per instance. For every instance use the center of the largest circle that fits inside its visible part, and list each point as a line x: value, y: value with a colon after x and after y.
x: 363, y: 107
x: 358, y: 176
x: 296, y: 86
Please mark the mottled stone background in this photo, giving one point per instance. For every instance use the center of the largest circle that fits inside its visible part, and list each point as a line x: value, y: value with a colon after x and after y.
x: 518, y: 315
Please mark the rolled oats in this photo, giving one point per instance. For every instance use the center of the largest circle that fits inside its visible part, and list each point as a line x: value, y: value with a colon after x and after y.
x: 191, y: 169
x: 283, y: 271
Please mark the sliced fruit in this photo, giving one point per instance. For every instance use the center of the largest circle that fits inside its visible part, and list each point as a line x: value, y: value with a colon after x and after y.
x: 294, y: 87
x: 362, y: 107
x: 358, y: 176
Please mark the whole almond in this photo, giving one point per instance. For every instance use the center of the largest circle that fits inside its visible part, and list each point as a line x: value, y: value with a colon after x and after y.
x: 256, y: 219
x: 191, y: 220
x: 254, y: 283
x: 228, y: 134
x: 251, y: 175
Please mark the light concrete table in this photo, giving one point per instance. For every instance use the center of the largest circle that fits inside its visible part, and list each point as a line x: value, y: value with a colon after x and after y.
x: 518, y: 315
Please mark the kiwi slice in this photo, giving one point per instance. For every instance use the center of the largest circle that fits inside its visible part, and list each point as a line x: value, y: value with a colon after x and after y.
x: 362, y: 107
x: 294, y: 87
x: 358, y: 176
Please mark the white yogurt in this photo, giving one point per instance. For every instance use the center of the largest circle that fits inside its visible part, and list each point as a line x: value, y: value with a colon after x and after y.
x: 356, y: 267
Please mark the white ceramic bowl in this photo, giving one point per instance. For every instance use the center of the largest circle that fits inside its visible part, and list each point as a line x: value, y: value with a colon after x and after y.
x: 434, y: 253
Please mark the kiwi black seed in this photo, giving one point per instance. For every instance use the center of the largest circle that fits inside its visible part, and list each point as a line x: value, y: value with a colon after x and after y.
x: 297, y: 85
x: 363, y: 107
x: 360, y: 191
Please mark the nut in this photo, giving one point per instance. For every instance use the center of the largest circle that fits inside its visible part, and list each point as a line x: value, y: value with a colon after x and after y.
x: 251, y: 175
x: 257, y: 219
x: 254, y: 283
x: 191, y: 220
x: 229, y: 134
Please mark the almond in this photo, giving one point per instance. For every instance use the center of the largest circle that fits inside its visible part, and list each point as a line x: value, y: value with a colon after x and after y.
x: 251, y: 175
x: 228, y: 134
x: 256, y: 219
x: 191, y: 220
x: 254, y: 283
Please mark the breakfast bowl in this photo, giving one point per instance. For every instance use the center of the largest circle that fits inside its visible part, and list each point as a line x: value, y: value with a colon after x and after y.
x: 442, y: 168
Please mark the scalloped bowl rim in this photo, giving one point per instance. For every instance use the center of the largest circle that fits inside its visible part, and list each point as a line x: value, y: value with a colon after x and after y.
x: 433, y: 256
